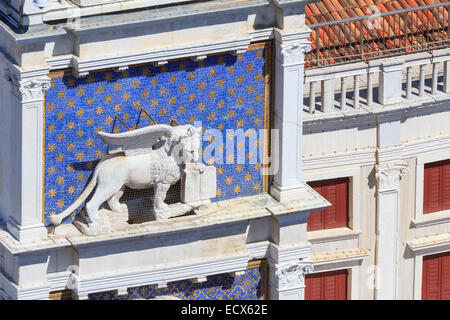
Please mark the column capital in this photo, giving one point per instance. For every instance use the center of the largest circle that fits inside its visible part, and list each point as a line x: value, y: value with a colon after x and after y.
x: 27, y: 85
x: 389, y: 174
x: 34, y: 89
x: 291, y: 47
x: 293, y: 274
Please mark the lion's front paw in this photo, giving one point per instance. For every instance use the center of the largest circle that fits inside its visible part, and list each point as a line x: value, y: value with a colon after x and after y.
x: 162, y: 212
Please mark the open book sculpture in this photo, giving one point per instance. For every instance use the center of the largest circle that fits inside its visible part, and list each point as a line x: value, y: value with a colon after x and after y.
x: 155, y: 156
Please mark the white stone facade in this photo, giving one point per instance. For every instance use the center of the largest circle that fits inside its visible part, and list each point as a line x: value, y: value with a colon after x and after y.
x: 382, y: 150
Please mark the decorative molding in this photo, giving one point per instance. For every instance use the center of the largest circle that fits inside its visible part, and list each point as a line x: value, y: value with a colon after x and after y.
x: 432, y: 219
x: 34, y: 89
x: 82, y: 66
x: 332, y: 235
x: 202, y: 268
x: 389, y: 175
x: 431, y: 244
x: 293, y: 274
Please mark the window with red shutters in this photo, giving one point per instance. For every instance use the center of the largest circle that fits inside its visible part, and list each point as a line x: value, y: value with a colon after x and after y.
x: 436, y: 277
x: 336, y: 215
x: 326, y: 286
x: 436, y: 190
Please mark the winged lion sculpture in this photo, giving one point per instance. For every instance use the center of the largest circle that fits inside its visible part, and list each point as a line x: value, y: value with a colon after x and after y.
x: 153, y: 156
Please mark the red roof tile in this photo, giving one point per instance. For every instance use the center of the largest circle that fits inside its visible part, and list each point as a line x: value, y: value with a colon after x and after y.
x: 343, y: 41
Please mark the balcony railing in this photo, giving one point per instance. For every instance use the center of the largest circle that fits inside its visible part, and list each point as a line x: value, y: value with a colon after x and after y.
x: 379, y: 34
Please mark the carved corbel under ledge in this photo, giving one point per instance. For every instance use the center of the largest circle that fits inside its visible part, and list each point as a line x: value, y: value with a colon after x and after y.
x: 389, y: 175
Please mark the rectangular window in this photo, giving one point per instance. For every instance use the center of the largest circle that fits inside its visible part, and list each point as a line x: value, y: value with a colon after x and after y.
x: 436, y: 277
x: 326, y: 286
x: 436, y: 195
x: 336, y: 215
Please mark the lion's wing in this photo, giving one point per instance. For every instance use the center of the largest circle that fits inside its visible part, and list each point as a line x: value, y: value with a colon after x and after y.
x: 137, y: 141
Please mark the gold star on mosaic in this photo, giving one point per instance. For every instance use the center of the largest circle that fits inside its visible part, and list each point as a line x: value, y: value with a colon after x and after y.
x: 51, y: 170
x: 51, y: 148
x: 70, y: 146
x: 60, y: 180
x: 229, y: 180
x: 80, y: 113
x: 52, y: 193
x: 117, y: 86
x: 237, y: 189
x: 89, y: 143
x: 202, y: 85
x: 136, y: 84
x: 60, y: 203
x: 136, y: 104
x: 71, y: 190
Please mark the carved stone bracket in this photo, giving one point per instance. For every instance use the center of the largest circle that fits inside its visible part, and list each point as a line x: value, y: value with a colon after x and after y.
x: 389, y: 175
x: 293, y: 274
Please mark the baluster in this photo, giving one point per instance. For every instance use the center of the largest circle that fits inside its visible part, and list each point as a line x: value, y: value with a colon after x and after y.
x: 447, y: 76
x: 312, y: 97
x: 422, y: 81
x: 408, y: 83
x: 369, y: 88
x: 434, y: 79
x: 356, y: 92
x: 327, y: 95
x: 343, y: 93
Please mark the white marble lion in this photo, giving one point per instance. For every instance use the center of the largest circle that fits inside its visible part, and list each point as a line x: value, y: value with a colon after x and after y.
x: 149, y: 157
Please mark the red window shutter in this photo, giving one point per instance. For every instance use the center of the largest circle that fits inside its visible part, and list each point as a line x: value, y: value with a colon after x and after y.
x: 445, y: 186
x: 315, y: 219
x: 327, y: 286
x: 313, y: 290
x: 430, y: 278
x: 445, y: 275
x: 436, y: 195
x: 432, y: 177
x: 336, y: 215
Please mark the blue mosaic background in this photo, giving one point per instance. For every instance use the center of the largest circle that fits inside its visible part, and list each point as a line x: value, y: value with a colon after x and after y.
x: 249, y: 286
x: 223, y: 92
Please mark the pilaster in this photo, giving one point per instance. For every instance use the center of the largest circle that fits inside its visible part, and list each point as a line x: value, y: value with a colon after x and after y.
x: 388, y: 209
x: 289, y: 72
x: 26, y: 112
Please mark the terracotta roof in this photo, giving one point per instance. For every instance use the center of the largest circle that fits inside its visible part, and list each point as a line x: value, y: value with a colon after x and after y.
x: 384, y: 36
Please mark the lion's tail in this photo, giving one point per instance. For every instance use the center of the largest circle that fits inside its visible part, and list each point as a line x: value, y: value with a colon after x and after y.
x: 58, y: 218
